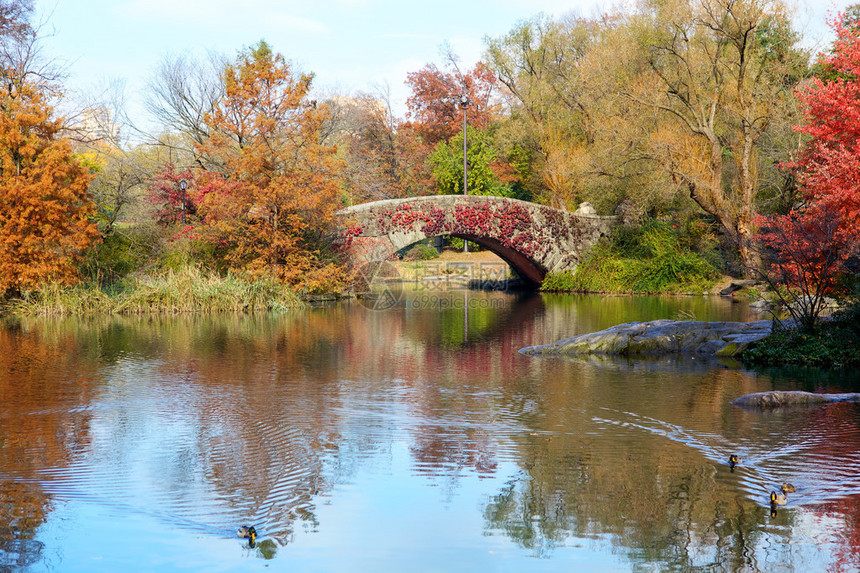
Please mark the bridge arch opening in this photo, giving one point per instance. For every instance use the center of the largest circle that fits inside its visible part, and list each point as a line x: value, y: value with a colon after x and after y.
x: 530, y: 272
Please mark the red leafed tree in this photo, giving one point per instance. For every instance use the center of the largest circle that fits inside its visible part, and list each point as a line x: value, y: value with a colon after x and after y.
x: 431, y: 117
x: 165, y: 192
x: 45, y: 211
x: 808, y: 253
x: 829, y: 168
x: 810, y: 246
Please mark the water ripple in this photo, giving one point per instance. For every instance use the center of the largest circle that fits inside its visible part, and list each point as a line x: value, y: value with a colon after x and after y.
x: 819, y: 461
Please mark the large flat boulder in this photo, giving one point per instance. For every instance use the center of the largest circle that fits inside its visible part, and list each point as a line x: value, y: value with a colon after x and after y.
x: 786, y: 399
x: 659, y: 337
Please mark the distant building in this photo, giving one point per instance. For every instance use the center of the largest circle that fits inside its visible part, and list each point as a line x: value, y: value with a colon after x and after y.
x: 351, y: 115
x: 95, y: 125
x: 371, y: 105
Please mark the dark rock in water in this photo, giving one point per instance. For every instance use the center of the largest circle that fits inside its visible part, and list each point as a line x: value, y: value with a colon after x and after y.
x: 761, y: 306
x: 738, y: 285
x: 776, y: 399
x: 504, y: 285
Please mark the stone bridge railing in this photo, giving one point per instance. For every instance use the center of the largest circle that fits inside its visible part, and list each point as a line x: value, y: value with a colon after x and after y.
x: 533, y: 239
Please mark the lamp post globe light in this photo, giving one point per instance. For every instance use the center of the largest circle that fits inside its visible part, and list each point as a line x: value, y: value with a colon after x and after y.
x: 463, y: 101
x: 183, y: 184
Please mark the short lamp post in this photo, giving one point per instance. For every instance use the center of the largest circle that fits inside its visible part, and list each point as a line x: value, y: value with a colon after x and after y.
x: 183, y: 184
x: 463, y: 101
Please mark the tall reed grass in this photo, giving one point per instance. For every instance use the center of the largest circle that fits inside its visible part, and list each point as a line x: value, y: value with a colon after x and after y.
x: 182, y: 291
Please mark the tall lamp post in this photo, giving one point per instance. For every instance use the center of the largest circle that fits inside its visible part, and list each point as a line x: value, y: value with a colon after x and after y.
x: 463, y: 101
x: 183, y: 184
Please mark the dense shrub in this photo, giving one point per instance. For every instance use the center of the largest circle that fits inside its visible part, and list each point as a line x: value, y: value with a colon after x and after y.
x: 421, y: 252
x: 832, y: 343
x: 556, y: 282
x: 653, y: 258
x: 146, y: 248
x: 120, y: 253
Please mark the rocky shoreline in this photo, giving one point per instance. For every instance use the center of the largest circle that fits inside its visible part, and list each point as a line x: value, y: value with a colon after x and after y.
x: 661, y: 337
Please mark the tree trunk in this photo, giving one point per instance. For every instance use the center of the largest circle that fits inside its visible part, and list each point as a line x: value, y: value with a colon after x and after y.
x: 736, y: 222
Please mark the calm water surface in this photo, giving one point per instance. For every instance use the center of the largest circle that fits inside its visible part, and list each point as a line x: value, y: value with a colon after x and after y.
x: 411, y: 439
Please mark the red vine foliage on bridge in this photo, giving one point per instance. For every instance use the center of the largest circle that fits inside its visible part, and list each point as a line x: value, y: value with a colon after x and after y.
x: 348, y: 235
x: 511, y: 224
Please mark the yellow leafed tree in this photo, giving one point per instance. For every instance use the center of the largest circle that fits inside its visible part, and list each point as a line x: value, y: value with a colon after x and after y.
x: 716, y: 75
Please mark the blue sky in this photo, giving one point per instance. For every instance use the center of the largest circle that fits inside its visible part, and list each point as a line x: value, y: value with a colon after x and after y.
x: 349, y: 44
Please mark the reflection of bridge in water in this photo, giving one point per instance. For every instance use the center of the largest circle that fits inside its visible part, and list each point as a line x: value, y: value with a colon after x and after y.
x: 531, y: 238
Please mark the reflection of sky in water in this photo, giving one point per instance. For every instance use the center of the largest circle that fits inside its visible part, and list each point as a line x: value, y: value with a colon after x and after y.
x: 425, y: 524
x: 396, y: 440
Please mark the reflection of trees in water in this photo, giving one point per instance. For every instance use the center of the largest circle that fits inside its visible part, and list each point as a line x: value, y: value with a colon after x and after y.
x: 38, y: 430
x: 23, y: 508
x: 451, y: 390
x: 250, y: 407
x: 457, y: 319
x: 847, y: 512
x: 841, y: 456
x: 264, y: 398
x: 445, y: 446
x: 677, y: 517
x: 659, y: 502
x: 262, y: 415
x: 248, y: 404
x: 261, y: 395
x: 591, y: 313
x: 643, y: 482
x: 271, y: 472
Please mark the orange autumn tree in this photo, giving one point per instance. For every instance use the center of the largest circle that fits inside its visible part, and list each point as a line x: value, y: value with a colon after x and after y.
x: 45, y: 210
x: 273, y: 204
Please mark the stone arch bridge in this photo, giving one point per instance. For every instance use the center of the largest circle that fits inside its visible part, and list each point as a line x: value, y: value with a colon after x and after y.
x: 531, y: 238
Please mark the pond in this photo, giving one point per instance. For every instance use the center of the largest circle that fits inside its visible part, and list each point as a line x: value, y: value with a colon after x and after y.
x: 410, y: 436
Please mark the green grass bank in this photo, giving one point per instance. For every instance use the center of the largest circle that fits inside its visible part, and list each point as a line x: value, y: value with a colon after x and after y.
x: 655, y: 258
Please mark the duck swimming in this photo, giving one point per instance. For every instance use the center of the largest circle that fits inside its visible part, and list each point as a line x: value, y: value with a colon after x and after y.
x: 248, y: 532
x: 787, y: 488
x: 777, y: 498
x: 733, y: 461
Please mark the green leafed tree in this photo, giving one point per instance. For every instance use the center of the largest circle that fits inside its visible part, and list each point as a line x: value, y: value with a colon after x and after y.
x: 548, y: 69
x: 488, y: 174
x: 678, y: 104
